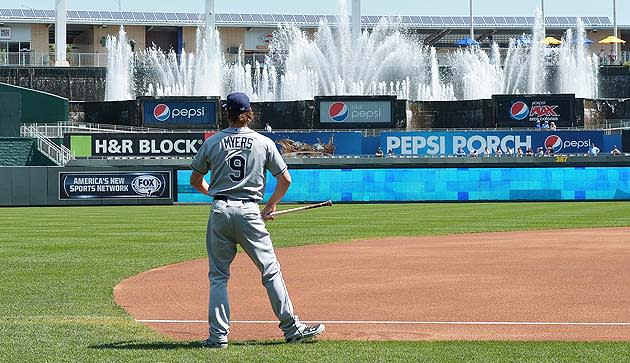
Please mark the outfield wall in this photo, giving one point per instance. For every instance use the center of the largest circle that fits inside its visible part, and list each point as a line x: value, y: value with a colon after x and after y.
x: 43, y: 186
x: 348, y: 180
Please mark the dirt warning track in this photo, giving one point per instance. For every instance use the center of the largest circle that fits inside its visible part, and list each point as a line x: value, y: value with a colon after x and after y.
x: 531, y: 285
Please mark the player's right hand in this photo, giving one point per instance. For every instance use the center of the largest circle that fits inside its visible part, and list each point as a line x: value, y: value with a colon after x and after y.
x: 266, y: 213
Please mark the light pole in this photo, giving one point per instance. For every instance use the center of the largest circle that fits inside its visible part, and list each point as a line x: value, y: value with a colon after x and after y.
x: 472, y: 27
x: 211, y: 18
x: 61, y: 8
x: 356, y: 21
x: 544, y: 25
x: 616, y: 34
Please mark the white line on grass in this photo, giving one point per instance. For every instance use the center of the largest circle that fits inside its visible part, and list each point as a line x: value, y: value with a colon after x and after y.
x: 379, y: 322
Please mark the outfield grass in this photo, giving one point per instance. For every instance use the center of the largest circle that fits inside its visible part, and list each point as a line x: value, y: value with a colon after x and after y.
x: 58, y: 267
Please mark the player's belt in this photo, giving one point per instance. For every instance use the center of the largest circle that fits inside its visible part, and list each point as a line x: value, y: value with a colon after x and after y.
x: 225, y: 198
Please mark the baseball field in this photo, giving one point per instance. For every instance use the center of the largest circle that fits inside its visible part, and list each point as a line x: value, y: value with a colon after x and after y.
x: 58, y: 268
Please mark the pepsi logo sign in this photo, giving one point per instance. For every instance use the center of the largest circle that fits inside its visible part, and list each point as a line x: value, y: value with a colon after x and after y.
x: 554, y: 142
x: 161, y: 112
x: 146, y: 185
x: 519, y: 111
x: 338, y: 112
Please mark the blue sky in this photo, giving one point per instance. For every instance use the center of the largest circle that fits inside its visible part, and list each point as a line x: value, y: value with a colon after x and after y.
x: 369, y: 7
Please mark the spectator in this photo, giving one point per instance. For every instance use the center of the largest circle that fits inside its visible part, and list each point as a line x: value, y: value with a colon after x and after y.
x: 509, y: 151
x: 612, y: 57
x: 549, y: 151
x: 379, y: 152
x: 460, y: 152
x: 390, y: 152
x: 538, y: 125
x: 602, y: 57
x: 486, y: 152
x: 615, y: 151
x: 545, y: 125
x: 593, y: 150
x: 552, y: 126
x: 529, y: 151
x: 519, y: 152
x: 268, y: 127
x: 498, y: 152
x: 473, y: 153
x: 540, y: 151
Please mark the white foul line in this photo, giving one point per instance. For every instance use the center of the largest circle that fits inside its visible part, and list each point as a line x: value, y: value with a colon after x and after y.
x: 380, y: 322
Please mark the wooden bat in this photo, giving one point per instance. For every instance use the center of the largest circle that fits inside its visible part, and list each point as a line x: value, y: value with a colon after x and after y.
x: 327, y: 203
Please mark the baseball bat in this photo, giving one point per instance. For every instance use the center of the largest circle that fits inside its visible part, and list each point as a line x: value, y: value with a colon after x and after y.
x: 327, y: 203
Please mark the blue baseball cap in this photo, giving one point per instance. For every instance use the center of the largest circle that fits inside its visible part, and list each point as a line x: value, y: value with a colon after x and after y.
x: 237, y: 102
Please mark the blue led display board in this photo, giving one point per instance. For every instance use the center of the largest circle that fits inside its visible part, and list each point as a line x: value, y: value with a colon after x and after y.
x: 444, y: 184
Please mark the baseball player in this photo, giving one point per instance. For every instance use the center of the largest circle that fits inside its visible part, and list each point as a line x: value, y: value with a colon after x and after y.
x: 237, y: 158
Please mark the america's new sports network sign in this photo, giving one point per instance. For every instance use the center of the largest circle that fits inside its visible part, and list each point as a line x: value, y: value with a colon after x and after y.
x: 178, y: 112
x: 447, y: 143
x: 115, y: 185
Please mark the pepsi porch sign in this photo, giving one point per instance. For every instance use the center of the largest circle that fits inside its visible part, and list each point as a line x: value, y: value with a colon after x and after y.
x: 169, y: 112
x: 448, y: 142
x: 352, y: 111
x: 528, y: 110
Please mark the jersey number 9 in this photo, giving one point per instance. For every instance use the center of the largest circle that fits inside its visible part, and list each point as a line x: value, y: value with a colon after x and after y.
x: 238, y: 165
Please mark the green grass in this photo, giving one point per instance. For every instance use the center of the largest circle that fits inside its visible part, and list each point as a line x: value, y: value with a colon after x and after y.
x: 58, y: 267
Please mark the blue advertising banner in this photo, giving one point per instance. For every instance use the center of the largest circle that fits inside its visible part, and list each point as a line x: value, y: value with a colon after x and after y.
x: 115, y: 185
x: 318, y: 143
x: 448, y: 142
x: 165, y: 112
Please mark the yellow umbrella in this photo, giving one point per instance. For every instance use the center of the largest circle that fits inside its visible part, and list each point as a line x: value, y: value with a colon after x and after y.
x: 551, y: 41
x: 612, y: 40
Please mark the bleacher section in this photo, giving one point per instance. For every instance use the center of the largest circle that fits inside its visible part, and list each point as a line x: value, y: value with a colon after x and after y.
x: 21, y: 151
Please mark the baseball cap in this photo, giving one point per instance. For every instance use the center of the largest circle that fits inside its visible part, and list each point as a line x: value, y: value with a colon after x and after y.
x: 237, y: 102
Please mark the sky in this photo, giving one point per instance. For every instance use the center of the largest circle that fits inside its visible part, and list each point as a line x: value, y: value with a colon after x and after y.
x: 368, y: 7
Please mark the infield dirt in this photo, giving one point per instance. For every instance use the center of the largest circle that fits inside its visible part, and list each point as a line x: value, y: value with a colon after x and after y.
x: 548, y: 285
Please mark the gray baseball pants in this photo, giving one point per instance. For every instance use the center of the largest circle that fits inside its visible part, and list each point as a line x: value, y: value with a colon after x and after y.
x: 231, y: 222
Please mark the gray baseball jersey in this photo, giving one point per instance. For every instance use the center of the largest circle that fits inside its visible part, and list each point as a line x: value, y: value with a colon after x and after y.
x: 238, y: 158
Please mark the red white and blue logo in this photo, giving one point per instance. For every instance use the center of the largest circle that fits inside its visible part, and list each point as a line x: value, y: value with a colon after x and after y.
x: 338, y: 111
x: 161, y: 112
x: 519, y: 111
x: 554, y: 142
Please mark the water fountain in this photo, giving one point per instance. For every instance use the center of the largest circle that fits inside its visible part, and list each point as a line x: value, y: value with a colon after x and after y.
x: 384, y: 61
x: 527, y: 67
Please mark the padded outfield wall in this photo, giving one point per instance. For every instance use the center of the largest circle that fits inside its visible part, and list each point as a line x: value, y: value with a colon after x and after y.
x: 346, y: 179
x: 448, y: 184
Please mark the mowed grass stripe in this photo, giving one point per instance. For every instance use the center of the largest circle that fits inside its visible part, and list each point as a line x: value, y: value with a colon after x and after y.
x: 59, y: 265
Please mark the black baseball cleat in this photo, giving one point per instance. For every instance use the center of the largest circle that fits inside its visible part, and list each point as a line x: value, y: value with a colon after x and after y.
x: 213, y: 345
x: 309, y: 332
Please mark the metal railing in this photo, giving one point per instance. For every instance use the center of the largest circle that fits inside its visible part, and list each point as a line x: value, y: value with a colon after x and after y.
x: 58, y: 130
x: 38, y: 59
x: 60, y: 154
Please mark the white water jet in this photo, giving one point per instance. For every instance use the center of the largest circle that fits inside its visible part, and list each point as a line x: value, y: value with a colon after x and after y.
x: 120, y: 59
x: 577, y: 69
x: 537, y: 73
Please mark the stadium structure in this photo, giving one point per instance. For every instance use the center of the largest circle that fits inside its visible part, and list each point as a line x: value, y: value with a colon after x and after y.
x: 61, y: 144
x: 26, y: 35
